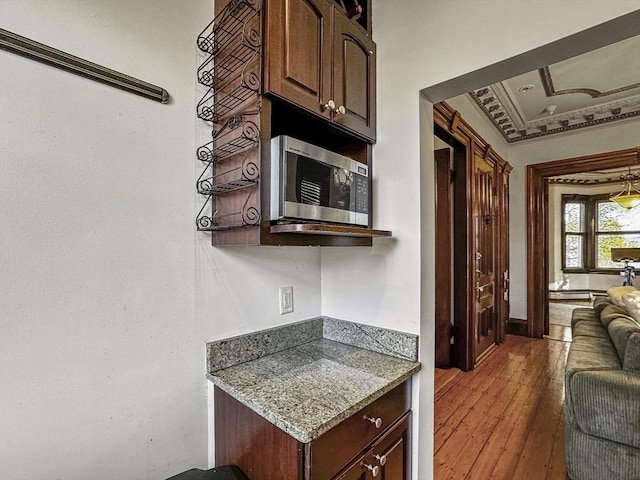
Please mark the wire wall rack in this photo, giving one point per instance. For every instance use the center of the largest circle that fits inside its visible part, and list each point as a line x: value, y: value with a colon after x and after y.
x: 230, y: 79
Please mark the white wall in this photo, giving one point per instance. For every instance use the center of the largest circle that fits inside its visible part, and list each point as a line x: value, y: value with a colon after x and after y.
x: 615, y: 136
x: 107, y: 293
x: 419, y: 45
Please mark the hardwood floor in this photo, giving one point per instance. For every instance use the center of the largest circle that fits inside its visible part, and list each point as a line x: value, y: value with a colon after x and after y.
x: 505, y: 419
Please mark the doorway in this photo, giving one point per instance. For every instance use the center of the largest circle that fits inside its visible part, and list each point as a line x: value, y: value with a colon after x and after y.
x: 538, y: 225
x: 471, y: 257
x: 451, y: 313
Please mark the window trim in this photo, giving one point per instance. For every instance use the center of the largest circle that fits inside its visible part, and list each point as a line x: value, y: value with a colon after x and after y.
x: 589, y: 235
x: 583, y: 200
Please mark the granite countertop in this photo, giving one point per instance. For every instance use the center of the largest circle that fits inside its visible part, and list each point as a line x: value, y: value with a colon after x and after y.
x: 310, y: 388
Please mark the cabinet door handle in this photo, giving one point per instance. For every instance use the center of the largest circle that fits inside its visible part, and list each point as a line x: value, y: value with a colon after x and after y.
x: 340, y: 110
x: 375, y: 470
x: 330, y: 105
x: 376, y: 421
x: 382, y: 459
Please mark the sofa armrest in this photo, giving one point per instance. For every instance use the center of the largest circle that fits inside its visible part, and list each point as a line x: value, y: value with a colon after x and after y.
x: 605, y: 404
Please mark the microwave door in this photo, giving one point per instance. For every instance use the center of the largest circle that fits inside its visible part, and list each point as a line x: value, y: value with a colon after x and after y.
x: 312, y: 182
x: 341, y: 189
x: 306, y: 187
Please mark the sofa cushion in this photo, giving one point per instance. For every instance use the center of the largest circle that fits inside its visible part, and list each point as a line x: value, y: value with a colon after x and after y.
x: 625, y: 335
x: 587, y: 354
x: 612, y: 312
x: 589, y: 329
x: 583, y: 315
x: 606, y: 404
x: 591, y: 353
x: 631, y: 360
x: 600, y: 302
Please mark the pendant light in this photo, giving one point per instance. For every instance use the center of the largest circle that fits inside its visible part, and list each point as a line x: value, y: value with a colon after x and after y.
x: 629, y: 197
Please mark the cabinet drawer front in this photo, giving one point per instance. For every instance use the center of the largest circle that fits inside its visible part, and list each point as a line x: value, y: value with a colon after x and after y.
x: 333, y: 450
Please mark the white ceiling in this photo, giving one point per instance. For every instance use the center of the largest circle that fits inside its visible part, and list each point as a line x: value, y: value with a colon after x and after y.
x: 596, y: 87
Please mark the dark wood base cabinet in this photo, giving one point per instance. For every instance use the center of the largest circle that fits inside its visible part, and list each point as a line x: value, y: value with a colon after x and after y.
x: 393, y: 447
x: 355, y: 449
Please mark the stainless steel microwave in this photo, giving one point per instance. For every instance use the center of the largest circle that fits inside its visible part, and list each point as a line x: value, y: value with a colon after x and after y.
x: 310, y: 183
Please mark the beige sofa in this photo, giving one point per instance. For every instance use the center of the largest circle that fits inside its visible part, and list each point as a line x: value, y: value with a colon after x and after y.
x: 602, y: 389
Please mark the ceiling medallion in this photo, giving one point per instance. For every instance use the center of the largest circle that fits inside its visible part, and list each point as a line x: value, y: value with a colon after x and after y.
x: 526, y: 88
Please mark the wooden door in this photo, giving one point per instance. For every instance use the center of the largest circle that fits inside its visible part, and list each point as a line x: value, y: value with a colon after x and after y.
x: 298, y: 53
x: 354, y: 77
x: 484, y: 225
x: 444, y: 249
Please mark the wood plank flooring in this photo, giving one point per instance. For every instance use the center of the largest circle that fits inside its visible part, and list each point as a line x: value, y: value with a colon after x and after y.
x: 505, y: 419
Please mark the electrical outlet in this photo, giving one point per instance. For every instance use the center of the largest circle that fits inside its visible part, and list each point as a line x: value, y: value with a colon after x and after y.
x: 286, y: 300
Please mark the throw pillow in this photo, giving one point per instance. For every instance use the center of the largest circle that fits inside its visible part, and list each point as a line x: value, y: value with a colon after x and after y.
x: 616, y: 294
x: 632, y: 304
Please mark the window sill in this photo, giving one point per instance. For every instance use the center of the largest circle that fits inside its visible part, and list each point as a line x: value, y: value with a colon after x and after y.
x: 586, y: 271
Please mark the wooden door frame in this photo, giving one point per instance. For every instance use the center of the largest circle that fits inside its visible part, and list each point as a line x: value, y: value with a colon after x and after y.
x: 538, y: 220
x: 451, y: 128
x: 462, y: 329
x: 444, y: 357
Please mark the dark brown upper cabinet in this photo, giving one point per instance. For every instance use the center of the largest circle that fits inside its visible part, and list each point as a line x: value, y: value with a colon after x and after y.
x: 322, y: 61
x: 301, y: 68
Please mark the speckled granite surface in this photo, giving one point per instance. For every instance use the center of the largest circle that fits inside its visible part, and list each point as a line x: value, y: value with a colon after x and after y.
x: 389, y: 342
x: 308, y: 389
x: 244, y: 348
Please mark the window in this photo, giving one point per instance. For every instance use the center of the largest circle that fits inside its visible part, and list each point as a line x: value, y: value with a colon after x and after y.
x: 591, y: 227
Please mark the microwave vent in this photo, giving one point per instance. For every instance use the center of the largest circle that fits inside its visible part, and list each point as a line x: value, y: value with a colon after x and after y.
x: 310, y: 192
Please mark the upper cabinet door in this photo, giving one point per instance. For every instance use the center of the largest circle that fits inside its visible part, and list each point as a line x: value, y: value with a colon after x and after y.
x: 298, y: 52
x: 354, y: 77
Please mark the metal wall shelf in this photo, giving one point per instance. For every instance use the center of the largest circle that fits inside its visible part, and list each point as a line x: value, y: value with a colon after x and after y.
x: 230, y: 103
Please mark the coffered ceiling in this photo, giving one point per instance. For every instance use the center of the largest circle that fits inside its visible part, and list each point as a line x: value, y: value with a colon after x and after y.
x: 591, y: 89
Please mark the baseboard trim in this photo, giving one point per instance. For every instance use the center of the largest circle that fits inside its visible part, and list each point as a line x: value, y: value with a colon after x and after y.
x: 517, y: 326
x: 578, y: 294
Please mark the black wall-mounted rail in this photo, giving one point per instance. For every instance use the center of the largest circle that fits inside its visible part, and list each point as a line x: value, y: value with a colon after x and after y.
x: 20, y: 45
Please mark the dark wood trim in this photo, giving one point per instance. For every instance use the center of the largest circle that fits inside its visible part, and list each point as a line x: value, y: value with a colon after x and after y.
x: 517, y: 326
x: 589, y: 234
x: 537, y: 221
x: 581, y: 200
x: 443, y: 261
x: 450, y: 127
x: 325, y: 229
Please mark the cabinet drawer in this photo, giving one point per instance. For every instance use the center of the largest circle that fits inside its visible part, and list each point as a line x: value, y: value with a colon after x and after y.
x: 388, y: 459
x: 333, y: 450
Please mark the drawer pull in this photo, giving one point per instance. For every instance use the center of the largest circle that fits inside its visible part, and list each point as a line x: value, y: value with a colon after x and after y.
x: 376, y: 421
x: 375, y: 470
x: 382, y: 459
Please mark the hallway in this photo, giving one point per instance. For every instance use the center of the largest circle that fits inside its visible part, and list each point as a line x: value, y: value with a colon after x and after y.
x: 505, y: 419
